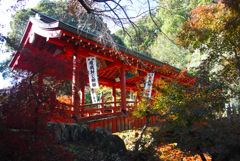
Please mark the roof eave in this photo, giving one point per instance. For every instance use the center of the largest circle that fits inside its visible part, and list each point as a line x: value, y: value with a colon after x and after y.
x: 53, y: 24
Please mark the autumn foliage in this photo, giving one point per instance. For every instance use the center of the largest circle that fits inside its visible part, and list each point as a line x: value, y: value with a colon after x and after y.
x: 29, y: 105
x: 25, y: 134
x: 205, y: 23
x: 188, y: 113
x: 214, y: 31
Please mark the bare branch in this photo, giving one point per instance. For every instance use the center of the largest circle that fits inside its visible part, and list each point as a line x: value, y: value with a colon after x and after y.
x: 88, y: 9
x: 149, y: 7
x: 118, y: 19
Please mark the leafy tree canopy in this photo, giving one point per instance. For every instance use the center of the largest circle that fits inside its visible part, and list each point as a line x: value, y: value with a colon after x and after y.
x: 214, y: 30
x: 159, y: 39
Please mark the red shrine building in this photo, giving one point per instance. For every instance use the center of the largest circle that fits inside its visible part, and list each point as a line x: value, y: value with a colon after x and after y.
x: 117, y: 67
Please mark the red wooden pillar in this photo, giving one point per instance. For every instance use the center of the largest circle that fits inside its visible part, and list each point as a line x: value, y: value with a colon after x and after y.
x: 114, y: 97
x: 83, y: 99
x: 83, y: 94
x: 75, y: 87
x: 123, y: 89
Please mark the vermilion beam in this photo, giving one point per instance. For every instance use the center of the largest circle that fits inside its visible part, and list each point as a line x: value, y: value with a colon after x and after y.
x: 113, y: 65
x: 115, y: 73
x: 140, y: 68
x: 105, y: 81
x: 135, y: 78
x: 56, y: 41
x: 107, y: 73
x: 111, y: 74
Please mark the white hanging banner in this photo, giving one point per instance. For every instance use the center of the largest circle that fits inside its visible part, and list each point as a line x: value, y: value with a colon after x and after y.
x: 148, y: 85
x: 93, y: 95
x: 132, y: 97
x: 92, y: 71
x: 80, y: 95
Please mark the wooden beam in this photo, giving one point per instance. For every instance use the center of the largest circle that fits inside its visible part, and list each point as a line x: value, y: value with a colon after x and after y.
x: 97, y: 54
x: 115, y: 73
x: 56, y: 41
x: 15, y: 61
x: 113, y: 65
x: 70, y: 49
x: 128, y: 86
x: 134, y: 78
x: 82, y: 52
x: 105, y: 81
x: 127, y: 67
x: 108, y: 72
x: 101, y: 55
x: 141, y: 76
x: 88, y: 52
x: 85, y: 52
x: 111, y: 74
x: 140, y: 68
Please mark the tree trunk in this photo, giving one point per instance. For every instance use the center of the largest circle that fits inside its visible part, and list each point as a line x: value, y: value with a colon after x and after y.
x: 201, y: 154
x: 38, y: 102
x: 141, y: 135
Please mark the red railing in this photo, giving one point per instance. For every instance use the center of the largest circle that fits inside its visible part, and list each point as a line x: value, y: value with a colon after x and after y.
x: 103, y: 109
x: 111, y: 118
x: 87, y: 113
